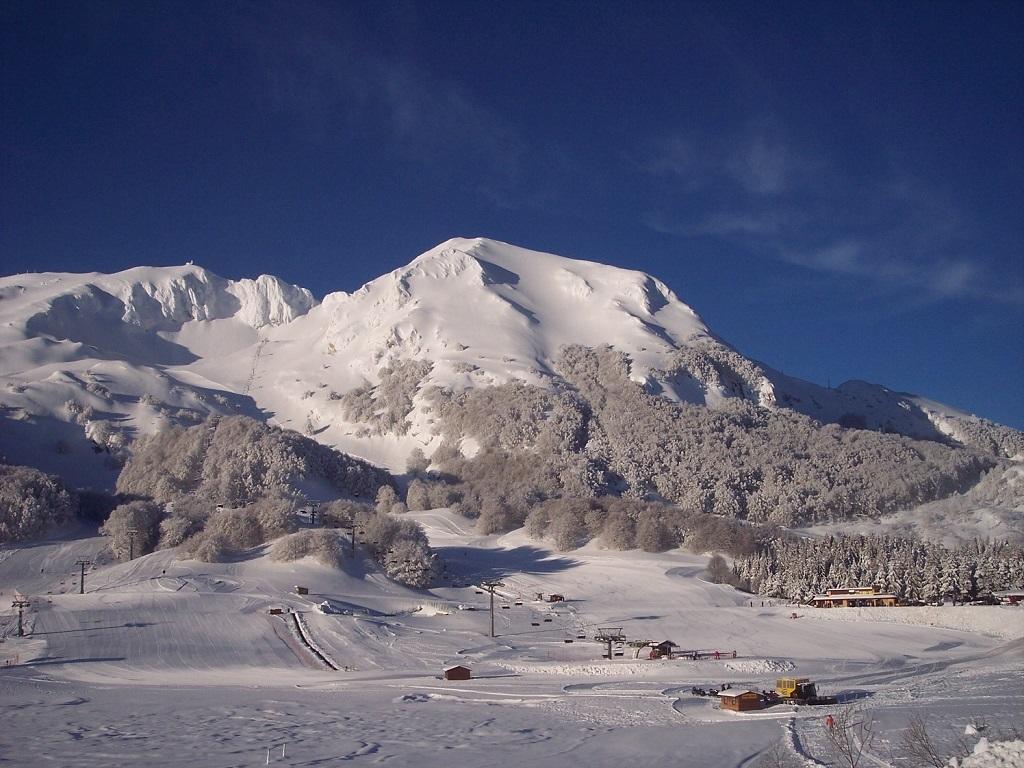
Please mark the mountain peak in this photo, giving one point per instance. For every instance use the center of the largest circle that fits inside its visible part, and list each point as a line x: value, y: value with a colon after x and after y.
x: 505, y: 311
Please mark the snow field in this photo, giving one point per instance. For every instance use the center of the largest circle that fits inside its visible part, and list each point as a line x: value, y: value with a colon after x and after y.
x: 1006, y: 622
x: 177, y: 662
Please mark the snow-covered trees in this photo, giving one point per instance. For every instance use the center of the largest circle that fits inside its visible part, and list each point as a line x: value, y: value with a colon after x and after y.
x: 400, y: 545
x: 652, y: 533
x: 417, y: 498
x: 606, y: 434
x: 236, y: 460
x: 385, y: 406
x: 31, y: 503
x: 253, y: 470
x: 417, y: 463
x: 718, y: 570
x: 386, y: 498
x: 989, y: 437
x: 341, y: 513
x: 912, y: 570
x: 325, y: 545
x: 133, y: 528
x: 184, y: 518
x: 636, y: 524
x: 751, y: 462
x: 716, y: 367
x: 237, y: 528
x: 411, y: 562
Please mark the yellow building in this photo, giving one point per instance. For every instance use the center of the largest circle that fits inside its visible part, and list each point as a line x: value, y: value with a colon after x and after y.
x: 854, y: 597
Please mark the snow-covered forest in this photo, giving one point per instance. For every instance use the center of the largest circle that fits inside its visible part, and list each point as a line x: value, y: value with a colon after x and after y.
x: 32, y: 503
x: 799, y: 568
x: 604, y: 433
x: 235, y: 460
x: 231, y: 484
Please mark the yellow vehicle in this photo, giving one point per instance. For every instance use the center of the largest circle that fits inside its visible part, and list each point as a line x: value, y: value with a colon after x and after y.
x: 800, y: 690
x: 795, y: 687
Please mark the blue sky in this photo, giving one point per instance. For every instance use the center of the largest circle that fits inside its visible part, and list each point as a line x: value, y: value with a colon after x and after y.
x: 837, y: 188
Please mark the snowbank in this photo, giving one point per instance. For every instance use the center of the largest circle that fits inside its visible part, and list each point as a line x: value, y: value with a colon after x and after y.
x: 995, y: 620
x: 760, y: 666
x: 999, y: 754
x: 642, y: 668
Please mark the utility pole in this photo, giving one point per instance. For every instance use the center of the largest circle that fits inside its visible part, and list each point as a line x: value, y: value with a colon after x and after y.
x: 490, y: 587
x: 131, y: 542
x: 82, y: 564
x: 21, y: 604
x: 312, y: 515
x: 352, y: 530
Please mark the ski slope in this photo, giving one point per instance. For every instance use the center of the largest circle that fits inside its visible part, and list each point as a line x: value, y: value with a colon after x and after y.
x: 177, y: 662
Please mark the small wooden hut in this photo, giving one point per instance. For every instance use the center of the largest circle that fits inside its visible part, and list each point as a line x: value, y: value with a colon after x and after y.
x: 740, y: 701
x: 457, y: 672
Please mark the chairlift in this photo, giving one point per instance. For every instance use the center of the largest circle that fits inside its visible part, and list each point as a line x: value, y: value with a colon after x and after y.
x: 547, y: 619
x: 519, y: 602
x: 618, y: 653
x: 534, y: 623
x: 567, y: 640
x: 506, y: 607
x: 479, y: 591
x: 581, y: 635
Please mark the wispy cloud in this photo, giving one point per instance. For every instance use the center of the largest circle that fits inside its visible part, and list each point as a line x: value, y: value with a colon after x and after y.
x: 762, y: 164
x: 339, y: 87
x: 932, y: 278
x: 675, y: 157
x: 756, y: 161
x: 756, y: 190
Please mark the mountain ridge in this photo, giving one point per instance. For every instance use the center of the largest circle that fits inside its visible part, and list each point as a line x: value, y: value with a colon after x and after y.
x: 101, y: 359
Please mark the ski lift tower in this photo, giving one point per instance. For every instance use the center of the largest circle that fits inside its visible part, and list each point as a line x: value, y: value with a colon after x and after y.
x: 490, y: 586
x: 610, y: 635
x: 21, y: 603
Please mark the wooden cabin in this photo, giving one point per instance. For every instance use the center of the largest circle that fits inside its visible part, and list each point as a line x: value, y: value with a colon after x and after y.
x: 740, y: 701
x: 854, y: 597
x: 457, y: 672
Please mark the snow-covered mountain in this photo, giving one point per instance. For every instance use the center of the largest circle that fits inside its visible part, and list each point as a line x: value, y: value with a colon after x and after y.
x: 88, y: 362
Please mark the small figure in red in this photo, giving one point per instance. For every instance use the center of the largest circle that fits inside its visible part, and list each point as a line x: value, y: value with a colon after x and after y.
x: 830, y: 722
